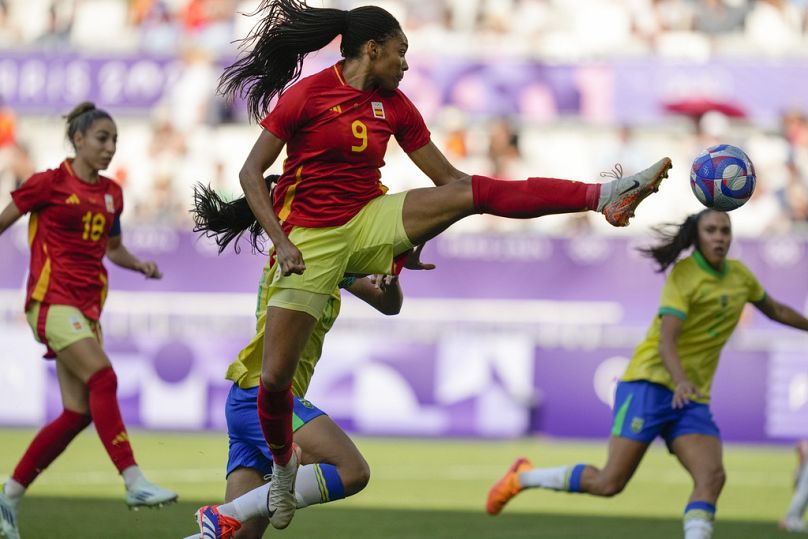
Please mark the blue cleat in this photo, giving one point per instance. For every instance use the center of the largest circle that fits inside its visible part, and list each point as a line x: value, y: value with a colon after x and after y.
x: 214, y: 525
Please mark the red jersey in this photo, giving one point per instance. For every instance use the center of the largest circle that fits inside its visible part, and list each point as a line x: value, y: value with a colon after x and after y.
x: 67, y: 232
x: 336, y: 137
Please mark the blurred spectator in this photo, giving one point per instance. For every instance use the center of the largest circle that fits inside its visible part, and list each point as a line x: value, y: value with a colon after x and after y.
x: 209, y: 25
x: 189, y: 99
x: 795, y: 193
x: 9, y: 33
x: 8, y: 127
x: 503, y: 150
x: 160, y: 32
x: 58, y: 28
x: 775, y: 26
x: 717, y: 17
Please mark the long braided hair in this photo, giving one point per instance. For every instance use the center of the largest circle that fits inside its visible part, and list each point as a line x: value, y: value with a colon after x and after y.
x: 676, y: 238
x: 226, y: 220
x: 285, y: 35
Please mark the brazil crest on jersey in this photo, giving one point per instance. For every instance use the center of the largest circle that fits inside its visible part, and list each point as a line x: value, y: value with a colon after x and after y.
x: 67, y: 233
x: 336, y: 138
x: 710, y: 303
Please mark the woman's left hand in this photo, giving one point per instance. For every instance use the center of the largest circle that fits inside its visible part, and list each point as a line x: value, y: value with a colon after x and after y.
x: 414, y: 260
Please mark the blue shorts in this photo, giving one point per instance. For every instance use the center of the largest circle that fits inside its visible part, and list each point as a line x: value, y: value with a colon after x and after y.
x: 642, y: 411
x: 248, y: 449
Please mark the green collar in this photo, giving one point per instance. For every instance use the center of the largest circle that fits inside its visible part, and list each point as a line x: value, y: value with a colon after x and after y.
x: 703, y: 264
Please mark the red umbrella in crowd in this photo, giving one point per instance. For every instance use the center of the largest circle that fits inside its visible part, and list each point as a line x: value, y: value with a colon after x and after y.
x: 699, y: 106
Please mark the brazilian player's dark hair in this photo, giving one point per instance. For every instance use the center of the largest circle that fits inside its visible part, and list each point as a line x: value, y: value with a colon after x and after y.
x: 675, y: 238
x: 81, y: 118
x: 287, y: 32
x: 225, y: 220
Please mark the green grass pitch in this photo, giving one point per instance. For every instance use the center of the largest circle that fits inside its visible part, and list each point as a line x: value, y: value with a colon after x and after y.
x: 419, y: 489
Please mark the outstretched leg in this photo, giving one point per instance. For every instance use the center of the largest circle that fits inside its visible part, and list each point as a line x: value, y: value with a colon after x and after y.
x: 430, y: 211
x: 624, y: 457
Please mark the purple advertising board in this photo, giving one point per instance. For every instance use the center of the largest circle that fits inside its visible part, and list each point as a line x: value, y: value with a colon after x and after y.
x: 620, y: 91
x: 510, y: 335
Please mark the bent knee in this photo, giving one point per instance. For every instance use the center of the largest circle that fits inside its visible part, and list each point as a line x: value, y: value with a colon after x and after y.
x: 609, y: 487
x: 356, y: 477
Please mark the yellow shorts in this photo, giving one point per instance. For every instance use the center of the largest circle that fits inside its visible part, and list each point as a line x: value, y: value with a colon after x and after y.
x: 365, y: 245
x: 59, y: 326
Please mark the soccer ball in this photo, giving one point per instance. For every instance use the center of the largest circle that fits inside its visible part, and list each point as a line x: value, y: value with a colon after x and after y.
x: 722, y: 177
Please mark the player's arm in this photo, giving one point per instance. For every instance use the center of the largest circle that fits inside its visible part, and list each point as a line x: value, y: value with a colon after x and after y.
x: 383, y: 293
x: 434, y: 164
x: 779, y: 312
x: 118, y: 254
x: 671, y: 329
x: 263, y: 154
x: 9, y: 216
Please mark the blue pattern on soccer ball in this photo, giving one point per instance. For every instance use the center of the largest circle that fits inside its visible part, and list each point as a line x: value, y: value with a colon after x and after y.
x: 722, y: 177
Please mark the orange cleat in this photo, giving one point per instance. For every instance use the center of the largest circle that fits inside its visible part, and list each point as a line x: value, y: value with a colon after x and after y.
x: 622, y: 196
x: 507, y: 487
x: 214, y: 525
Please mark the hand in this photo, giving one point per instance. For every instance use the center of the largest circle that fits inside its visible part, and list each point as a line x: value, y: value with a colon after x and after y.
x: 289, y: 258
x: 414, y: 260
x: 384, y: 282
x: 685, y: 390
x: 149, y: 269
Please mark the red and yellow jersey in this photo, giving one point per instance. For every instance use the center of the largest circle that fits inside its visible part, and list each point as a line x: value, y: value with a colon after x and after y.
x: 336, y: 138
x: 67, y: 233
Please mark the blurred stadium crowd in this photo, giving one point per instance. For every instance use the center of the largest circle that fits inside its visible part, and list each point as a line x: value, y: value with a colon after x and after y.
x: 192, y: 135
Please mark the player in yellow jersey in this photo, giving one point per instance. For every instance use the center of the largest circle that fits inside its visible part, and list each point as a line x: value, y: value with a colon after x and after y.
x: 665, y: 390
x: 332, y: 466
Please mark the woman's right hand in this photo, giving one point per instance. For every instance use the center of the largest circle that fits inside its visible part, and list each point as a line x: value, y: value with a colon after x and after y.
x: 289, y: 258
x: 685, y: 390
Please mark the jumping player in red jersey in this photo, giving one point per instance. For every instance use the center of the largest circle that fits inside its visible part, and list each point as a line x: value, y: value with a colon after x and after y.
x: 74, y: 223
x: 329, y: 214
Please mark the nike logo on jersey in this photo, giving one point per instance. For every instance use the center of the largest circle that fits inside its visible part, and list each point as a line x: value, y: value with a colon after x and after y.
x: 72, y: 199
x: 635, y: 184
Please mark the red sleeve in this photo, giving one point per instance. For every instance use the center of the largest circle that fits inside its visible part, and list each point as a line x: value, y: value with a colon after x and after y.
x: 288, y: 115
x: 34, y: 193
x: 411, y: 132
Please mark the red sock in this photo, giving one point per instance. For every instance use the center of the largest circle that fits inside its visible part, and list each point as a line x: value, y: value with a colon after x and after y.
x: 275, y: 414
x: 103, y: 387
x: 49, y: 444
x: 533, y: 197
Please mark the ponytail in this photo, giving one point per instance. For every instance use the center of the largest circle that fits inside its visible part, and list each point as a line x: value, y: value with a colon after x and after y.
x: 227, y: 221
x: 675, y: 239
x: 288, y: 32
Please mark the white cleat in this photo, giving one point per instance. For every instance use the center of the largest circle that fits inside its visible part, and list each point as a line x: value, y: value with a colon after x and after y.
x: 794, y: 525
x: 281, y: 501
x: 144, y: 493
x: 8, y: 518
x: 621, y: 196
